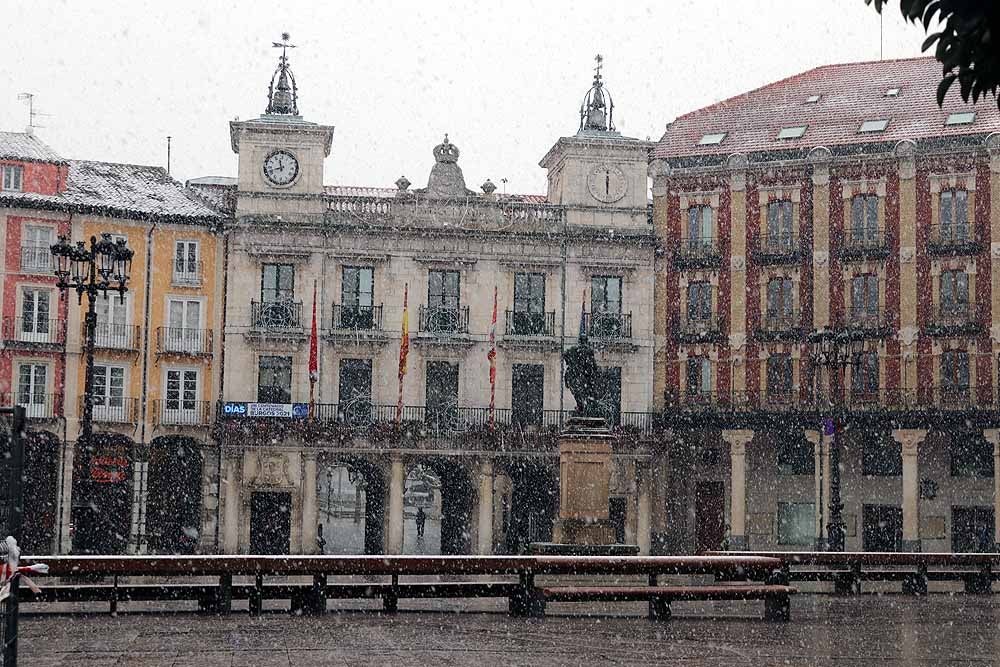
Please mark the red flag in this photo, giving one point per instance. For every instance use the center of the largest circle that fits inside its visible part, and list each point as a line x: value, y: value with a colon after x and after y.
x: 313, y: 356
x: 404, y: 351
x: 492, y: 356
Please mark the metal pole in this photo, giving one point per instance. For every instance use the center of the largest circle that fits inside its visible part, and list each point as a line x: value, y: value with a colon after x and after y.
x: 85, y: 448
x: 16, y: 519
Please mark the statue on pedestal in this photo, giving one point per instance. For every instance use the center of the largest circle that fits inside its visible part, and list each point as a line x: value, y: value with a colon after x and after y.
x: 585, y: 379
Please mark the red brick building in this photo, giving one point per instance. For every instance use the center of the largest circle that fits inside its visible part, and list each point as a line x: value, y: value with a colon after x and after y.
x: 841, y: 204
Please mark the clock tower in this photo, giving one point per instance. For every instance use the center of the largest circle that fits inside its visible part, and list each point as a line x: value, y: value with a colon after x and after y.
x: 280, y: 154
x: 597, y: 171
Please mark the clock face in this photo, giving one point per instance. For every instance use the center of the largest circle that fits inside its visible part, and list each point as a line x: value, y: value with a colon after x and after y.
x: 606, y: 183
x: 281, y: 168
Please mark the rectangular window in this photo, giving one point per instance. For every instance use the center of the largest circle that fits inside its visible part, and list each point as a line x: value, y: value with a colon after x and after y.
x: 181, y: 395
x: 355, y: 391
x: 699, y: 227
x: 112, y: 330
x: 187, y: 269
x: 874, y: 125
x: 791, y: 132
x: 529, y: 304
x: 953, y: 214
x: 441, y: 397
x: 13, y: 177
x: 277, y: 283
x: 699, y: 301
x: 864, y: 376
x: 32, y: 387
x: 881, y: 456
x: 882, y: 527
x: 795, y: 456
x: 972, y: 529
x: 780, y: 303
x: 36, y: 244
x: 274, y: 379
x: 954, y: 375
x: 527, y: 393
x: 971, y: 455
x: 184, y: 332
x: 357, y: 294
x: 865, y: 299
x: 699, y: 376
x: 797, y: 524
x: 711, y: 139
x: 864, y: 220
x: 443, y: 289
x: 36, y: 327
x: 779, y: 376
x: 606, y: 306
x: 954, y: 297
x: 779, y: 225
x: 109, y: 393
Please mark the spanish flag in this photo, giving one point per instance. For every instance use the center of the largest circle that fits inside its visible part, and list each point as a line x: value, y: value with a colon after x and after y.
x: 404, y: 351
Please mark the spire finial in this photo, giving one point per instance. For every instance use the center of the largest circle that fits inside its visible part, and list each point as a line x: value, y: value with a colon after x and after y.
x: 283, y: 98
x: 597, y: 110
x: 599, y: 59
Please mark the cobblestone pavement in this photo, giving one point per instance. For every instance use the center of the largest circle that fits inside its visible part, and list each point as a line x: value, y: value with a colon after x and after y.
x: 889, y: 630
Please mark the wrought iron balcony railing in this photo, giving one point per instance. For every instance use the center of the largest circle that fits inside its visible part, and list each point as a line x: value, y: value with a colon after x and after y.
x: 699, y: 328
x: 954, y: 239
x: 865, y: 244
x: 108, y: 336
x: 444, y: 320
x: 181, y: 412
x: 183, y: 341
x: 865, y: 322
x: 355, y: 317
x: 114, y: 409
x: 36, y: 406
x: 520, y: 323
x: 276, y: 315
x: 782, y: 248
x: 953, y: 319
x: 779, y: 324
x: 36, y: 259
x: 33, y: 331
x: 187, y: 273
x: 608, y: 325
x: 698, y: 252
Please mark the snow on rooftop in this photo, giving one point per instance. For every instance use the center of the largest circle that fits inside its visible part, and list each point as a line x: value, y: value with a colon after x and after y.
x: 25, y: 146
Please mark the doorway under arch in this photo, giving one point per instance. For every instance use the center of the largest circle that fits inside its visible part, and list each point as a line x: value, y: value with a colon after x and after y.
x: 351, y: 506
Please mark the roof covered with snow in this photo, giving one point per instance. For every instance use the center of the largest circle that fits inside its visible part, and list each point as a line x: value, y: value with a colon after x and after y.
x: 834, y: 105
x: 25, y: 146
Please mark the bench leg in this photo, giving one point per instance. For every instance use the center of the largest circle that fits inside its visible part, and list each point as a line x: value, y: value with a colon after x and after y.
x: 915, y: 584
x: 979, y: 583
x: 528, y: 601
x: 113, y: 606
x: 659, y: 609
x: 777, y: 608
x: 390, y: 601
x: 257, y: 596
x: 317, y: 601
x: 224, y: 603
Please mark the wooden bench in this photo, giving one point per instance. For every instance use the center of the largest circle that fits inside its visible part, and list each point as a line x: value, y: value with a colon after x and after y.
x: 775, y: 597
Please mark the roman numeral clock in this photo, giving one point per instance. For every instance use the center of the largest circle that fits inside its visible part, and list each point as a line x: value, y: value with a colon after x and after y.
x: 607, y: 183
x: 281, y: 168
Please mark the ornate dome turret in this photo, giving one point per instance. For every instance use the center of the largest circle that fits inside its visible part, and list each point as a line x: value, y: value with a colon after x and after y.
x: 597, y: 110
x: 283, y: 96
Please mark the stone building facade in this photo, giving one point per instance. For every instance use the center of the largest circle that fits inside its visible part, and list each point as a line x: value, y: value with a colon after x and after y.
x: 840, y: 205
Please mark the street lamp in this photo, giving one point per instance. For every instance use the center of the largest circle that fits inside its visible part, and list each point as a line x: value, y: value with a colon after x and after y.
x: 833, y: 350
x: 104, y: 267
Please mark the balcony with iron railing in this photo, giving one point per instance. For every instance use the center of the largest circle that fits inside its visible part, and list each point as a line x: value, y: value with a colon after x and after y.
x: 522, y: 323
x: 443, y: 321
x: 182, y: 341
x: 954, y: 239
x: 608, y: 325
x: 114, y: 337
x: 114, y: 409
x: 868, y: 244
x: 699, y: 328
x: 781, y: 248
x: 276, y: 316
x: 954, y: 319
x: 38, y: 407
x: 187, y: 273
x: 865, y: 322
x: 181, y: 412
x: 33, y: 332
x: 698, y: 252
x: 36, y: 259
x: 347, y: 317
x: 779, y: 325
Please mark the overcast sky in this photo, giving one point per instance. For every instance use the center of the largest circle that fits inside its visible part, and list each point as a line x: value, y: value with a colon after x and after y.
x: 503, y: 79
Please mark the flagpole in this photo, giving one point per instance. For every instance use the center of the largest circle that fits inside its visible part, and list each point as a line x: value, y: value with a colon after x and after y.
x: 492, y: 356
x: 404, y: 350
x: 313, y: 359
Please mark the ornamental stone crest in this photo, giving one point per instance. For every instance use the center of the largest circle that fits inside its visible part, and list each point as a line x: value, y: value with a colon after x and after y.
x: 272, y: 470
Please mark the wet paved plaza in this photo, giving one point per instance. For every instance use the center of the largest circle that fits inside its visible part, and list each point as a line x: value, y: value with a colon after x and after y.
x: 889, y: 630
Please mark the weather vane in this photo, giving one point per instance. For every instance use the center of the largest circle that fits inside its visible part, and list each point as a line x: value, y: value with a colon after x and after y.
x: 283, y: 45
x: 599, y: 59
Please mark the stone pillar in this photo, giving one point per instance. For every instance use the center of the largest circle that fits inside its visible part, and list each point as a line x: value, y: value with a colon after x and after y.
x: 231, y: 520
x: 138, y: 544
x: 66, y: 509
x: 824, y: 500
x: 816, y: 438
x: 737, y: 165
x: 910, y: 439
x: 738, y: 441
x: 485, y: 523
x: 310, y: 510
x: 397, y: 476
x: 820, y: 159
x: 993, y: 435
x: 644, y: 508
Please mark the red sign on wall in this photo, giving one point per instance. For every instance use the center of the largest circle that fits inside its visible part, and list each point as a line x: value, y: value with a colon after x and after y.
x: 109, y: 469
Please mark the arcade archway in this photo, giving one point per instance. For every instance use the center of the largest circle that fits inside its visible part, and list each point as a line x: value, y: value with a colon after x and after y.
x: 102, y: 495
x: 173, y: 503
x: 532, y: 504
x: 438, y: 493
x: 41, y: 491
x: 351, y: 494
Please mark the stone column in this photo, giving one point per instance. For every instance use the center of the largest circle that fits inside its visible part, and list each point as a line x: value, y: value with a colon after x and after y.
x: 66, y: 509
x: 816, y: 438
x: 644, y: 508
x: 738, y: 441
x: 231, y: 519
x: 138, y: 544
x: 993, y: 435
x: 397, y: 475
x: 820, y: 159
x: 310, y: 510
x: 910, y: 439
x: 824, y: 499
x: 485, y: 523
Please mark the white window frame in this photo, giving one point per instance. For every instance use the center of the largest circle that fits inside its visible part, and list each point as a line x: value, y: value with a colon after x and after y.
x: 107, y: 411
x: 181, y: 416
x: 113, y: 336
x: 187, y: 275
x: 35, y: 336
x: 184, y: 339
x: 33, y: 410
x: 39, y: 256
x: 12, y: 173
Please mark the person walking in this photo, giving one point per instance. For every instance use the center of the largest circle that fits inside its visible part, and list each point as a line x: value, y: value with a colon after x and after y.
x: 421, y: 519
